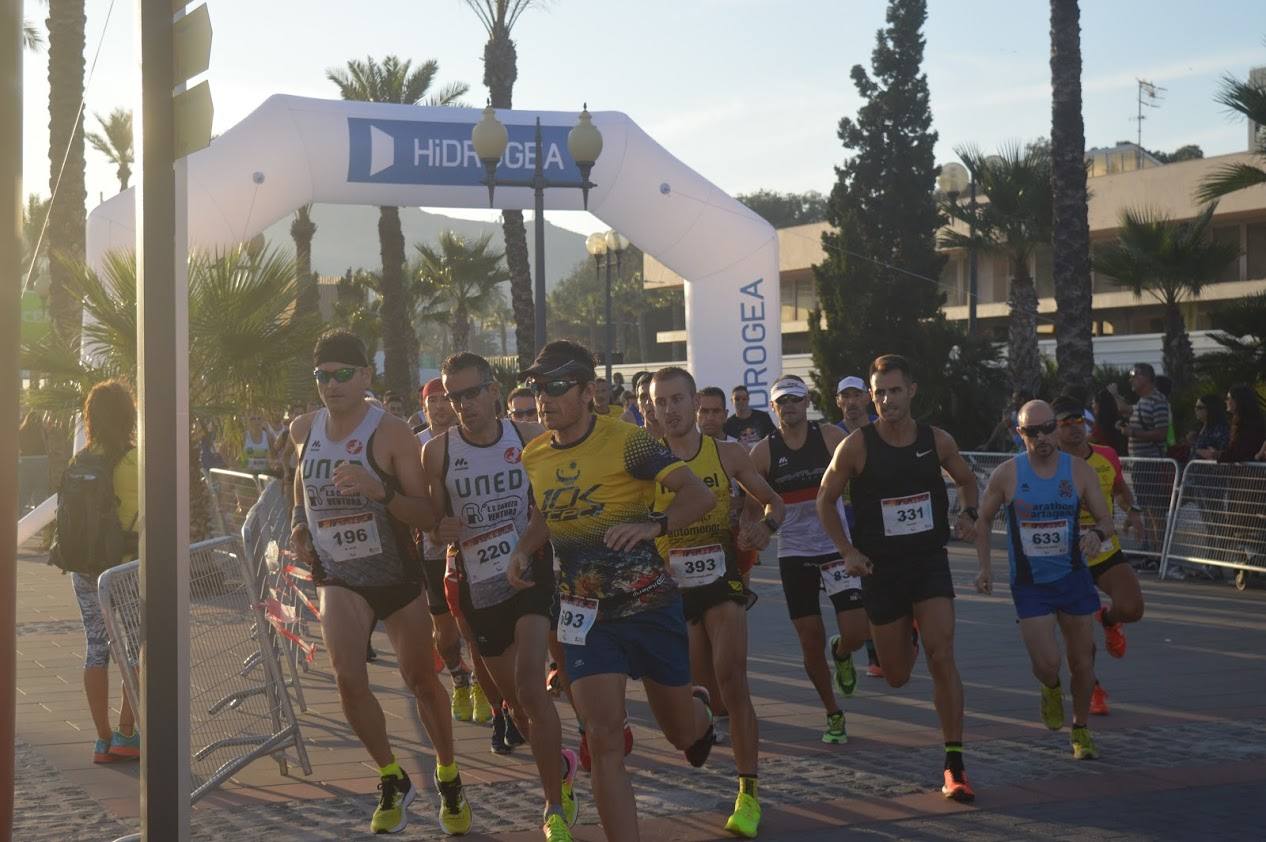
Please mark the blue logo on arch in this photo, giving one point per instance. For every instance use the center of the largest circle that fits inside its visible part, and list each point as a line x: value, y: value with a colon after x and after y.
x: 427, y: 152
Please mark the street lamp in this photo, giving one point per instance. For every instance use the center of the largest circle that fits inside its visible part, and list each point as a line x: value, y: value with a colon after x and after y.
x: 610, y: 243
x: 584, y: 142
x: 953, y: 180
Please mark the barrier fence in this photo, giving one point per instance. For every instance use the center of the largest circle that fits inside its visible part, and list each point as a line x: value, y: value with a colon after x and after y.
x: 236, y: 714
x: 1220, y: 518
x: 232, y: 495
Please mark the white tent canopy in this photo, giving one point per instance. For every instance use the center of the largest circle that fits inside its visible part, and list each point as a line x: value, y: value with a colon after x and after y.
x: 291, y: 151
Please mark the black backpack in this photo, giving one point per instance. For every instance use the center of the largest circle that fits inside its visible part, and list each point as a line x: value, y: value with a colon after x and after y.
x: 89, y: 537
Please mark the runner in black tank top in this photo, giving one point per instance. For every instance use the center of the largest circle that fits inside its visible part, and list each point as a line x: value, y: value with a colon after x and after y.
x: 901, y: 527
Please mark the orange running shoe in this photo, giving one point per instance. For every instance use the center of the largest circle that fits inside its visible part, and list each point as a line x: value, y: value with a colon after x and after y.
x: 958, y: 790
x: 1113, y: 635
x: 1099, y: 701
x: 874, y: 671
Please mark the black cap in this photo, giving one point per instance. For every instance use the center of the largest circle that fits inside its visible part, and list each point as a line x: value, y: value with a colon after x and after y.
x: 561, y: 359
x: 1066, y: 406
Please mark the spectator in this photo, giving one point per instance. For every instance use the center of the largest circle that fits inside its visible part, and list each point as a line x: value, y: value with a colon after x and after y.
x: 257, y: 444
x: 31, y: 438
x: 395, y: 406
x: 1148, y: 427
x: 1248, y: 429
x: 746, y: 424
x: 523, y: 406
x: 617, y: 389
x: 1214, y: 434
x: 109, y: 425
x: 207, y: 452
x: 1106, y: 430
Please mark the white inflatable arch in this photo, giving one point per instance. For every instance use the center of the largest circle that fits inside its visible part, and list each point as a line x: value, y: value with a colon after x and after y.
x: 291, y: 151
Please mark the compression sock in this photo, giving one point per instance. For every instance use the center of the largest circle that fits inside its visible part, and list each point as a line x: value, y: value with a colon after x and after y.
x: 954, y: 758
x: 392, y: 768
x: 446, y: 773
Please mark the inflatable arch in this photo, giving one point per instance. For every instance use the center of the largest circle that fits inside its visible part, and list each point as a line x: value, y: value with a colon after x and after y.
x: 293, y: 150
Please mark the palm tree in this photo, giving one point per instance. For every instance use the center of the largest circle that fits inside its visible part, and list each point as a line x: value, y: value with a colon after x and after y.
x: 1248, y: 99
x: 115, y: 142
x: 500, y: 72
x: 242, y: 339
x: 394, y: 81
x: 1241, y: 333
x: 66, y: 220
x: 465, y: 279
x: 32, y: 38
x: 302, y: 230
x: 1170, y: 261
x: 1074, y: 349
x: 1014, y: 220
x: 35, y: 265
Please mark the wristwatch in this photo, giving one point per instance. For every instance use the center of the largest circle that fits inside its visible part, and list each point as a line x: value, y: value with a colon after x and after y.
x: 771, y: 524
x: 1103, y: 536
x: 660, y: 518
x: 971, y: 512
x: 1135, y: 508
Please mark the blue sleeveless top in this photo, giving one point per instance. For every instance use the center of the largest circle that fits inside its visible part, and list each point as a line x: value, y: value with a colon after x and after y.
x: 1042, y: 524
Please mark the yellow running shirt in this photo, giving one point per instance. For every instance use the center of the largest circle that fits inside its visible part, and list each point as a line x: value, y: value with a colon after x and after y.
x: 1107, y: 468
x: 715, y: 528
x: 584, y: 489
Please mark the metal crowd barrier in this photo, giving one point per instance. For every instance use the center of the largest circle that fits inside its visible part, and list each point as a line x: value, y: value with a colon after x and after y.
x: 233, y: 719
x: 1154, y: 483
x: 232, y: 495
x: 1220, y: 518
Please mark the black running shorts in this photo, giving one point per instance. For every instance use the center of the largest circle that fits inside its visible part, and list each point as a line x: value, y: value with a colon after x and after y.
x: 695, y: 602
x: 385, y: 600
x: 494, y: 626
x: 897, y: 584
x: 1107, y: 564
x: 802, y: 581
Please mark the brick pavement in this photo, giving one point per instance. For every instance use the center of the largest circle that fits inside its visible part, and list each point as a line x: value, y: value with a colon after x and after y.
x: 1183, y: 749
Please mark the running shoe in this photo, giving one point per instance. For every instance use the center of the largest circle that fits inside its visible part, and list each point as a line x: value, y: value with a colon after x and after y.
x: 499, y: 734
x: 392, y: 813
x: 571, y: 809
x: 956, y: 788
x: 721, y: 723
x: 835, y: 733
x: 874, y: 671
x: 1113, y: 635
x: 1099, y: 701
x: 514, y: 737
x: 698, y: 753
x: 1083, y: 745
x: 481, y: 711
x: 462, y: 704
x: 101, y: 752
x: 125, y: 748
x: 556, y: 829
x: 454, y: 809
x: 746, y: 817
x: 845, y: 672
x: 1052, y: 706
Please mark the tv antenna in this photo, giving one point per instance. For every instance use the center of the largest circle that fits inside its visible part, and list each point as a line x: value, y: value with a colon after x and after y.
x: 1149, y: 95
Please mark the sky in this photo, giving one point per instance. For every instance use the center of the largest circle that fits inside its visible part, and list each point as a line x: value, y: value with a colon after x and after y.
x: 749, y: 93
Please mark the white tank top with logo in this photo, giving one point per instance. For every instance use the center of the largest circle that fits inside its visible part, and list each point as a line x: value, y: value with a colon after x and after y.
x: 255, y: 452
x: 488, y: 491
x: 357, y: 542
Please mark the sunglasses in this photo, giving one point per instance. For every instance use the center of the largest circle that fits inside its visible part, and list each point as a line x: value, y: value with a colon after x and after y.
x: 467, y: 394
x: 1032, y: 431
x: 1072, y: 421
x: 553, y: 388
x: 786, y: 399
x: 523, y: 414
x: 340, y: 375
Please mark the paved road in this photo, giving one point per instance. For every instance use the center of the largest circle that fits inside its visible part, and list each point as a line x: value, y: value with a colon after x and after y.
x: 1183, y: 750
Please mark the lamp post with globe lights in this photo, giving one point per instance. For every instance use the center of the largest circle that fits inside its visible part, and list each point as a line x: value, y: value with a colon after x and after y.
x: 584, y: 143
x: 953, y: 180
x: 610, y: 244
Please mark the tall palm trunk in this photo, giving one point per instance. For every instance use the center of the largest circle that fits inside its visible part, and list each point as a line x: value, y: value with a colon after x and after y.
x: 1074, y: 348
x: 66, y: 219
x: 460, y: 327
x: 1023, y: 360
x: 399, y: 371
x: 500, y: 72
x: 1176, y: 353
x: 302, y: 230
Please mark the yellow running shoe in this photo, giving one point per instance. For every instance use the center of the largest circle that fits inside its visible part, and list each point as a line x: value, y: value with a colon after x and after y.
x: 835, y: 733
x: 1084, y: 745
x: 746, y: 818
x: 481, y: 711
x: 392, y: 813
x: 454, y: 809
x: 461, y: 703
x: 556, y: 829
x: 1052, y: 706
x: 571, y: 809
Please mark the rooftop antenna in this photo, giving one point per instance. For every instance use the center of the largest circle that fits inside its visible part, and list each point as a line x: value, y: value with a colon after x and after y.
x: 1149, y: 95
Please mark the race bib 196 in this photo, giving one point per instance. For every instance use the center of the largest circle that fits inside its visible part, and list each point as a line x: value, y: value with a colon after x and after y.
x: 834, y: 579
x: 487, y: 555
x: 694, y: 567
x: 907, y: 515
x: 1044, y: 537
x: 576, y: 617
x: 349, y: 537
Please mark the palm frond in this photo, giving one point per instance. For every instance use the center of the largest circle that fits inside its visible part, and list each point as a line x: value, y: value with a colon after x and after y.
x: 32, y: 36
x: 1243, y: 97
x: 1230, y: 178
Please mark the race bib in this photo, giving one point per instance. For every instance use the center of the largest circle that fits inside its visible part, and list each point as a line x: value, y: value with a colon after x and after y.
x: 907, y: 515
x: 349, y: 537
x: 576, y: 617
x: 487, y: 555
x: 1044, y: 537
x: 694, y: 567
x: 834, y: 579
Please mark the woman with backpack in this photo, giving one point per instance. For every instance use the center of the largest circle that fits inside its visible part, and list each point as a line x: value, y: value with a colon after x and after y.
x: 109, y: 423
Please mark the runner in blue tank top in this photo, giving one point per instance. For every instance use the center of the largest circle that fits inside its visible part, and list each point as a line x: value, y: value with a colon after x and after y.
x: 1043, y: 490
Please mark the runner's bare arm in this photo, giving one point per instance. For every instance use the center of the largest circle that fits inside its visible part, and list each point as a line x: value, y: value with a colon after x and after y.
x: 837, y: 477
x: 762, y: 502
x: 300, y: 538
x: 994, y: 499
x: 534, y: 537
x: 433, y: 453
x: 395, y: 446
x: 1125, y: 499
x: 958, y: 469
x: 1092, y: 498
x: 691, y: 501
